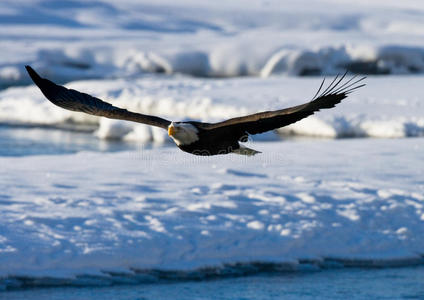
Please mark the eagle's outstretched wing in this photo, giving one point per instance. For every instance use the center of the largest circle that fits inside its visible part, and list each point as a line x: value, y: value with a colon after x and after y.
x: 269, y: 120
x: 77, y: 101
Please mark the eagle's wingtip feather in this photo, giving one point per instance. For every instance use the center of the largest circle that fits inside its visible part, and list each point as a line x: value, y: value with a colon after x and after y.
x: 34, y: 76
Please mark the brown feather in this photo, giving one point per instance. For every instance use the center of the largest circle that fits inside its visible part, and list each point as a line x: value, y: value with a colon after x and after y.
x: 269, y: 120
x: 81, y: 102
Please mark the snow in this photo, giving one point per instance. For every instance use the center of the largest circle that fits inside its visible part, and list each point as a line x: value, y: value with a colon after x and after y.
x: 85, y: 213
x: 105, y: 39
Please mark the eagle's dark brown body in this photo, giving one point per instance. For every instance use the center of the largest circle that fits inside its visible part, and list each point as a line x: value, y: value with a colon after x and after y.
x: 212, y: 142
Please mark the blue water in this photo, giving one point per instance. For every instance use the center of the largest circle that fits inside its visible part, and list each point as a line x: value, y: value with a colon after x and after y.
x: 24, y: 140
x: 390, y: 283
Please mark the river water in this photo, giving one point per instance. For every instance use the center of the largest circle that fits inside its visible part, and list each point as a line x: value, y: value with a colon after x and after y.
x: 347, y: 283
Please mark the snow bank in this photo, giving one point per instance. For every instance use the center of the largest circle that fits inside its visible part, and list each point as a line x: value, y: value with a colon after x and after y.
x: 388, y: 107
x: 114, y: 217
x: 106, y: 39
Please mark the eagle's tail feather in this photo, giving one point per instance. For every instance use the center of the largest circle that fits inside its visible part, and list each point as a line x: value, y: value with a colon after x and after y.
x: 246, y: 151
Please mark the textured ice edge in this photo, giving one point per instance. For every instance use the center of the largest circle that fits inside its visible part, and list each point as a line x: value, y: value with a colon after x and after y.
x: 229, y: 270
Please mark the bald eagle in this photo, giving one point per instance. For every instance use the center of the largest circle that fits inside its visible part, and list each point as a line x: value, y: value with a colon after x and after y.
x: 203, y: 138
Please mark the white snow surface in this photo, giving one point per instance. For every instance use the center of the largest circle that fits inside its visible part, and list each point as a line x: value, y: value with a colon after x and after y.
x: 387, y: 107
x: 164, y: 209
x: 85, y: 39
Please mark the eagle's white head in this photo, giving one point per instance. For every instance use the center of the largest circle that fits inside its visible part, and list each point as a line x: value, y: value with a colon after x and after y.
x: 183, y: 133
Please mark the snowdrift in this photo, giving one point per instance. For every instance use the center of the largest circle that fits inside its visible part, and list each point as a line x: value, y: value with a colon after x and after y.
x: 101, y: 218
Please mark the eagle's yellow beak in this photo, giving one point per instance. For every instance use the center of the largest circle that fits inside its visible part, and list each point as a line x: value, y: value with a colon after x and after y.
x: 171, y: 130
